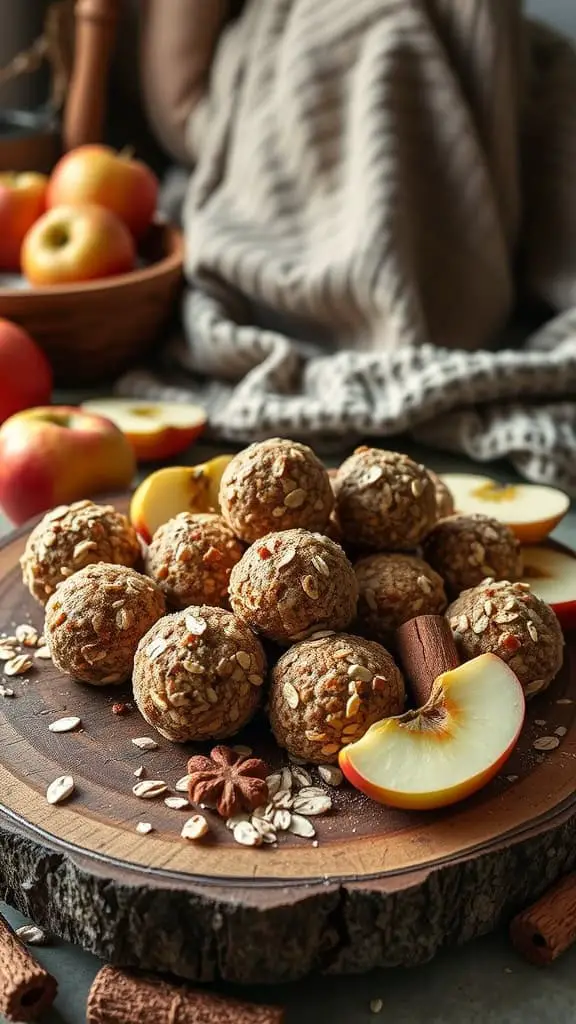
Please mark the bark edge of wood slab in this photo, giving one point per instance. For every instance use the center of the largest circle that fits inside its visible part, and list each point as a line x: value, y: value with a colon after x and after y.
x: 395, y: 892
x: 426, y: 648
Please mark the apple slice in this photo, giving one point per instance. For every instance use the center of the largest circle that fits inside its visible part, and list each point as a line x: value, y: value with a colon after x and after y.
x: 167, y: 492
x: 530, y: 510
x: 446, y: 750
x: 156, y: 430
x: 551, y: 574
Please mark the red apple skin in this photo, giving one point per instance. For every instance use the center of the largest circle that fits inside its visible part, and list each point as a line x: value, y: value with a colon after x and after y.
x: 76, y: 243
x: 25, y: 373
x: 22, y: 202
x: 98, y: 174
x: 53, y: 455
x: 566, y: 614
x: 423, y: 801
x: 167, y: 443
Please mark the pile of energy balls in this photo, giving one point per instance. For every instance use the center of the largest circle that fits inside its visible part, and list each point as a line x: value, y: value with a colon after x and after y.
x: 305, y: 570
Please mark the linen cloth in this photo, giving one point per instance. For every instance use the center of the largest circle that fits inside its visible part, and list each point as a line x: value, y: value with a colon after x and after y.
x: 378, y: 186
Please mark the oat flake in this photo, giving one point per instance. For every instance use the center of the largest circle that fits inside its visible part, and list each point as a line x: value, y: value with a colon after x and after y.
x: 546, y: 743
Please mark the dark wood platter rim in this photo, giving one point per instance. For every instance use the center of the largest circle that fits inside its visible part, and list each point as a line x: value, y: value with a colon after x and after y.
x: 543, y: 798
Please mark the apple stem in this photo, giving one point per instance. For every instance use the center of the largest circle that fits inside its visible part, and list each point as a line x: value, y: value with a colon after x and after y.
x: 426, y: 648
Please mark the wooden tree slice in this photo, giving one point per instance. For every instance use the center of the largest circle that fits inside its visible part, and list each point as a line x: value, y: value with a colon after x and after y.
x: 382, y: 887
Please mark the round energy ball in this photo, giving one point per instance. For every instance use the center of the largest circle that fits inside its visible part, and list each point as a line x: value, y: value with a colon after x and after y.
x: 395, y: 588
x: 293, y: 583
x: 467, y: 549
x: 508, y: 620
x: 95, y: 620
x: 384, y: 500
x: 327, y: 691
x: 191, y: 557
x: 71, y: 537
x: 444, y: 497
x: 275, y: 485
x: 198, y: 674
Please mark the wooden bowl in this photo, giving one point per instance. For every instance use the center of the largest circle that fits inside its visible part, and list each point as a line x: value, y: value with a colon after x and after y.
x: 95, y: 330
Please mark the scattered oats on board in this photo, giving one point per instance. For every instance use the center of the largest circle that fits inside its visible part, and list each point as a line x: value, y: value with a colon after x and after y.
x: 330, y: 774
x: 65, y: 724
x: 17, y: 666
x: 376, y: 1006
x: 43, y: 653
x: 195, y: 828
x: 6, y: 691
x: 32, y: 935
x: 149, y: 789
x: 26, y: 635
x: 561, y: 730
x: 182, y: 784
x: 145, y: 743
x: 144, y: 828
x: 245, y: 834
x: 176, y: 803
x: 60, y: 789
x: 546, y: 743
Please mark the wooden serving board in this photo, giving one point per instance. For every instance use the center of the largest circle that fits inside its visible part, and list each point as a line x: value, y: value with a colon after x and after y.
x: 382, y: 887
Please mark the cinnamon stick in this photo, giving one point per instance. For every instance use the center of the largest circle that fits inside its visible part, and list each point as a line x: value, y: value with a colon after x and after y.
x: 122, y: 997
x: 548, y: 928
x: 426, y: 648
x: 26, y: 988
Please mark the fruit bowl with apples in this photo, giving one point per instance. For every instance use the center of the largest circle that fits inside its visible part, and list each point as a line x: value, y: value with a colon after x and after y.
x: 87, y: 265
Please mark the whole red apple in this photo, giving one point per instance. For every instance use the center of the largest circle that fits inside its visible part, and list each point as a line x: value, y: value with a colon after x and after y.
x: 25, y: 373
x: 22, y: 201
x: 98, y: 174
x: 53, y: 455
x: 76, y: 243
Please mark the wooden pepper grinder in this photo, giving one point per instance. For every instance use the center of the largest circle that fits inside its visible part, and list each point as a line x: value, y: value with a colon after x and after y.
x: 95, y: 34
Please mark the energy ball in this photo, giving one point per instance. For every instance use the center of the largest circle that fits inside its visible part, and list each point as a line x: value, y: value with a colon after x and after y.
x: 384, y: 500
x: 444, y: 497
x: 71, y: 537
x: 96, y: 619
x: 275, y: 485
x: 396, y: 588
x: 467, y: 549
x: 327, y: 691
x: 191, y: 557
x: 508, y: 620
x: 198, y: 674
x: 293, y: 583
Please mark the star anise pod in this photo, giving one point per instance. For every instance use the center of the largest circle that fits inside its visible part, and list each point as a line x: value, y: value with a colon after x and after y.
x: 231, y: 781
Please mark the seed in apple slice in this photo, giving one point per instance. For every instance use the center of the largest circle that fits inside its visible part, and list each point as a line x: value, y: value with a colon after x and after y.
x: 446, y: 750
x: 530, y: 510
x: 551, y: 574
x: 167, y: 492
x: 156, y: 430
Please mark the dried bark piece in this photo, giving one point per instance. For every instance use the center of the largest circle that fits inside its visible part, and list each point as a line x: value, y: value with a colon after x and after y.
x: 26, y: 988
x: 548, y: 928
x: 118, y: 997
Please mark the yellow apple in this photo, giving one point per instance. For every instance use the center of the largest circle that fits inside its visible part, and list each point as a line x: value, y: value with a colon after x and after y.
x: 166, y: 493
x: 449, y: 748
x: 156, y: 430
x: 530, y: 510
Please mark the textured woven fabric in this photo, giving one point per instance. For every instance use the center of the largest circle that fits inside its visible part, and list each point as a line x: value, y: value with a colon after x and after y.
x: 377, y: 184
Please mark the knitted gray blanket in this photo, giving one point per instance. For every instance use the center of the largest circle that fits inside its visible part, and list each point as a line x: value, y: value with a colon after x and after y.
x: 377, y: 184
